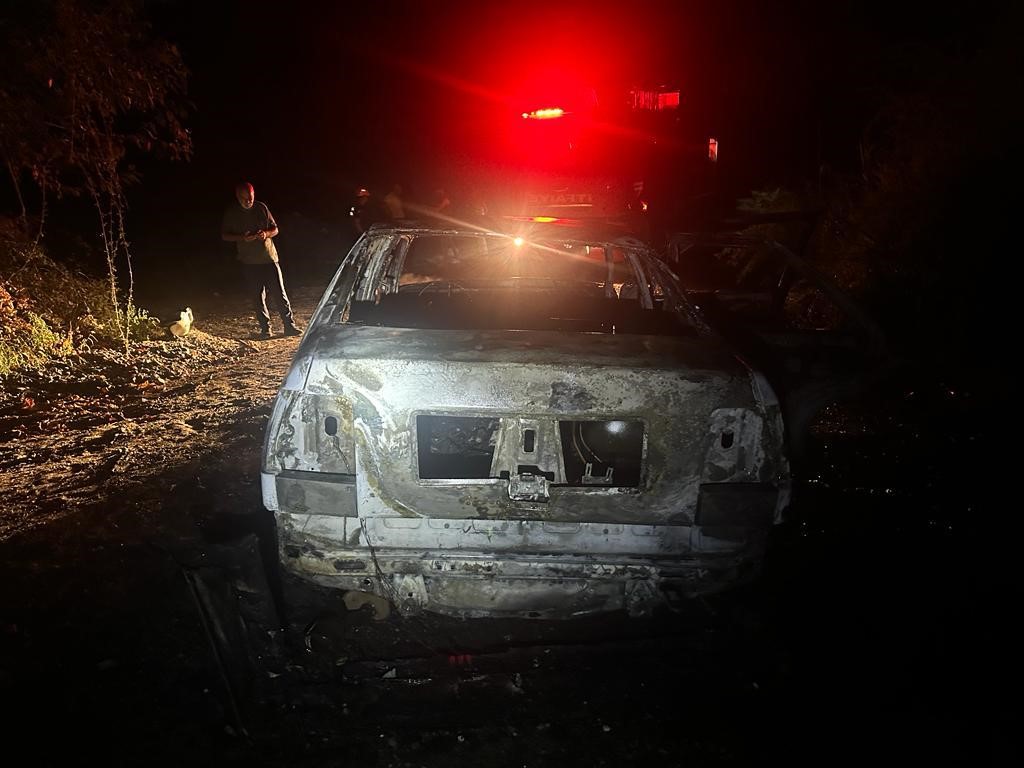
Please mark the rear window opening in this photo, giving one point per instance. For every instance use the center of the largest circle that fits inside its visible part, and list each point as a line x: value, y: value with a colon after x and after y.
x: 443, y: 258
x: 451, y: 281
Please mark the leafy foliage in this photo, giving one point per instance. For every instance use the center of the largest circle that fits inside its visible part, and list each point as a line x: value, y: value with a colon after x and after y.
x: 48, y: 310
x: 25, y: 338
x: 84, y: 85
x: 84, y: 89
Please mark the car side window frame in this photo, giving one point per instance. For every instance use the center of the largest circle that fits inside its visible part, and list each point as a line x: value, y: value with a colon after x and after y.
x: 348, y: 278
x: 367, y: 286
x: 680, y: 303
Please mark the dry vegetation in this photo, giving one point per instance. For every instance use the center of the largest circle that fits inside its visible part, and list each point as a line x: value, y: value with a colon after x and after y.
x: 49, y: 310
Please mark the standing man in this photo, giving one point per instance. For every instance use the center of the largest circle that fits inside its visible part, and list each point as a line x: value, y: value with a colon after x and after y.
x: 251, y: 226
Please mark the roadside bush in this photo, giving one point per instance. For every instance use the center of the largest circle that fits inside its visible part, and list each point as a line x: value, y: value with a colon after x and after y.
x: 25, y: 338
x: 48, y: 310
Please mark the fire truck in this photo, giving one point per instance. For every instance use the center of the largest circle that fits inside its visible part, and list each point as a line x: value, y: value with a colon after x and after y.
x: 631, y: 156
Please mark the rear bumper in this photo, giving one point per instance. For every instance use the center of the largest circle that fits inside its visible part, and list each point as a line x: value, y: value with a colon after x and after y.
x: 528, y: 568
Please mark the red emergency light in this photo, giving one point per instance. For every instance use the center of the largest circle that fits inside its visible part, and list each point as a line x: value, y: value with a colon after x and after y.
x: 713, y: 150
x: 548, y: 113
x: 547, y: 220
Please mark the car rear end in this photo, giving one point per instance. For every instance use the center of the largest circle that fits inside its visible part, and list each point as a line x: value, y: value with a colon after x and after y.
x: 528, y: 471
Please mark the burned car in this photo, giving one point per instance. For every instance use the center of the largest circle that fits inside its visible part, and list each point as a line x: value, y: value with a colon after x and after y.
x: 533, y: 423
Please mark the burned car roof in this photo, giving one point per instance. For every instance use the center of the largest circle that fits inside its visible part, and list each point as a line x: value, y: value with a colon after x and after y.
x: 532, y: 421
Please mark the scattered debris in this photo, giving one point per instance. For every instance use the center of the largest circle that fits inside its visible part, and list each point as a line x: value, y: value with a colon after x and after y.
x: 109, y: 380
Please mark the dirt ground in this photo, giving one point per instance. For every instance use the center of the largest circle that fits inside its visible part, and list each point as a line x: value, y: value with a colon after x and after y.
x: 143, y: 621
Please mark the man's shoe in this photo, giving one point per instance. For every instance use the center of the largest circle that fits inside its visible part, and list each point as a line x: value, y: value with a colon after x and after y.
x: 265, y: 334
x: 292, y: 330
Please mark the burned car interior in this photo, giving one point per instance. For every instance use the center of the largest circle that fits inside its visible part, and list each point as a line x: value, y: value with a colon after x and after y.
x: 530, y: 423
x: 442, y: 280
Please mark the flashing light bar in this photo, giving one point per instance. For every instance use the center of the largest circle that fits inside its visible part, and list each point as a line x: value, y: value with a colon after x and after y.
x: 546, y: 220
x: 549, y: 113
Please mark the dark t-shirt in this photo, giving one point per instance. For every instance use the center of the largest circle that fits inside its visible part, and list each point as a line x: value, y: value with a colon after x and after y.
x: 240, y: 221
